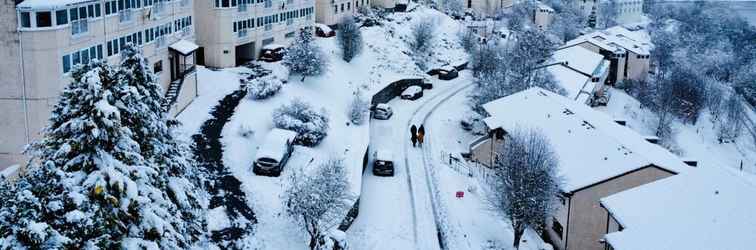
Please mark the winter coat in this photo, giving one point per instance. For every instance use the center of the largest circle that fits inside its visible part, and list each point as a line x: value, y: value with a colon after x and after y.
x: 413, y: 131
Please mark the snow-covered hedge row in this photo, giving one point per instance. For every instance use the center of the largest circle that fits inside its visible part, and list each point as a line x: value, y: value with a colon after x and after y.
x: 299, y: 116
x: 264, y: 87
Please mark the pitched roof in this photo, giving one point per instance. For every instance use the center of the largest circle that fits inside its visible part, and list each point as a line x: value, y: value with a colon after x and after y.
x: 591, y: 147
x: 616, y: 38
x: 705, y: 208
x: 580, y: 59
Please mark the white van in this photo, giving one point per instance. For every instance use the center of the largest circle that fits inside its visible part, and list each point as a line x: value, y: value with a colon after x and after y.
x: 274, y: 152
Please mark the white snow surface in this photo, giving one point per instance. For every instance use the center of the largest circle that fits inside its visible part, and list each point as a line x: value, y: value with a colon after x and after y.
x: 591, y: 147
x: 184, y: 47
x: 704, y: 208
x: 579, y: 58
x: 616, y: 38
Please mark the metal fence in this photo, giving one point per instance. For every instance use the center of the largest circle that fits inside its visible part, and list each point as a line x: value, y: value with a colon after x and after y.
x: 471, y: 169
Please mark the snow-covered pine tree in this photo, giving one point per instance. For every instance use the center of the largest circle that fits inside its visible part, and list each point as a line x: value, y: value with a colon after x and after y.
x: 140, y: 98
x: 83, y: 193
x: 305, y: 57
x: 350, y: 38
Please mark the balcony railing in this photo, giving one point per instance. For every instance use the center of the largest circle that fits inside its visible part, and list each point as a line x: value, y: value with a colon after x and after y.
x: 160, y: 42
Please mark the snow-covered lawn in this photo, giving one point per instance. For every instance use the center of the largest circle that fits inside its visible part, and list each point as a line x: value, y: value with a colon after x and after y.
x: 695, y: 142
x: 212, y: 86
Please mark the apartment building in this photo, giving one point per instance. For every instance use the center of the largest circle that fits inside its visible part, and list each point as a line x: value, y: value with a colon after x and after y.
x: 543, y: 16
x: 598, y: 157
x: 627, y: 11
x: 487, y: 7
x: 629, y: 52
x: 232, y: 32
x: 330, y: 12
x: 54, y: 36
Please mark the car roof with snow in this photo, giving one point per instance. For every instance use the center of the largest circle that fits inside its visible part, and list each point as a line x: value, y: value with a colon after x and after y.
x: 274, y: 145
x: 273, y: 46
x: 323, y: 27
x: 591, y: 147
x: 705, y: 208
x: 384, y: 155
x: 412, y: 89
x: 383, y: 106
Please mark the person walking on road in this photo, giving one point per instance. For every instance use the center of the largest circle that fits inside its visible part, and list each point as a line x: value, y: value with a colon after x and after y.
x: 413, y: 134
x: 420, y: 134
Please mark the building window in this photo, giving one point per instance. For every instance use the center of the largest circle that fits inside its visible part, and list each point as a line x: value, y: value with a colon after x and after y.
x: 66, y: 63
x: 25, y: 20
x: 268, y: 3
x: 557, y: 227
x: 61, y: 17
x: 157, y: 67
x: 44, y: 19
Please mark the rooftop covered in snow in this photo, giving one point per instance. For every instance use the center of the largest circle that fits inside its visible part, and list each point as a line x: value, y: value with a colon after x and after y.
x: 51, y: 4
x: 705, y: 208
x: 591, y: 147
x: 581, y: 60
x: 616, y: 39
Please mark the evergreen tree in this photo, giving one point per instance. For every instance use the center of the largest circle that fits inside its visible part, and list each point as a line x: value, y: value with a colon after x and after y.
x: 84, y: 192
x: 305, y: 57
x: 141, y: 111
x: 350, y: 38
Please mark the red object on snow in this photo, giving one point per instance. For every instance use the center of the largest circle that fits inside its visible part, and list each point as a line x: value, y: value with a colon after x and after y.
x: 460, y: 194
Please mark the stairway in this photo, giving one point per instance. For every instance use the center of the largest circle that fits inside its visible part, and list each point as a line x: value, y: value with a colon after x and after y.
x: 171, y: 96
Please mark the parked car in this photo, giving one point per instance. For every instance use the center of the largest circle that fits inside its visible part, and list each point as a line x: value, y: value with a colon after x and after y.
x: 382, y: 111
x: 383, y: 165
x: 412, y: 93
x: 272, y: 53
x: 323, y: 30
x: 447, y: 73
x: 274, y: 153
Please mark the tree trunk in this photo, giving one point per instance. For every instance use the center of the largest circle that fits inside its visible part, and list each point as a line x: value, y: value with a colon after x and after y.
x: 303, y: 77
x: 518, y: 232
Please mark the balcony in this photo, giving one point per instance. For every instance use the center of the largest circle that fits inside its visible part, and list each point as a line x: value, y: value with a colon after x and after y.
x: 242, y: 8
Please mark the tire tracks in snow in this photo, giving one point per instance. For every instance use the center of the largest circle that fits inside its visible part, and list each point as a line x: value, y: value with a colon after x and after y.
x: 432, y: 104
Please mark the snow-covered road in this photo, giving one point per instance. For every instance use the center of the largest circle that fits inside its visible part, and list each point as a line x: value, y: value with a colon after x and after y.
x: 401, y: 212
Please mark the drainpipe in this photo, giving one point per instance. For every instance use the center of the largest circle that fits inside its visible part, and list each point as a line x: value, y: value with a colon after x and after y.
x: 23, y: 84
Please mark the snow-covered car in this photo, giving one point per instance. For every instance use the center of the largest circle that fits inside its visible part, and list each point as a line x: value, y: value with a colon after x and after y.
x: 323, y: 30
x: 384, y: 163
x: 272, y: 53
x: 274, y: 152
x: 412, y: 93
x: 382, y: 111
x: 447, y: 73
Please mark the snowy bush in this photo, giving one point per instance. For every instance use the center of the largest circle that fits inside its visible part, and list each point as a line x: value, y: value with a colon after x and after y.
x: 423, y: 35
x: 468, y: 40
x: 305, y: 57
x: 358, y: 108
x: 349, y: 38
x: 301, y: 117
x: 263, y: 87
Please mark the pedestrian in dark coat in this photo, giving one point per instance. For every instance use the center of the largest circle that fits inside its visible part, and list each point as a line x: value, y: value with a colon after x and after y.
x: 421, y: 134
x: 413, y: 134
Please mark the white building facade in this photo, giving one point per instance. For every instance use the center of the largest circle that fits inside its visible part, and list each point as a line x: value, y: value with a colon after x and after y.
x: 232, y: 32
x: 54, y: 36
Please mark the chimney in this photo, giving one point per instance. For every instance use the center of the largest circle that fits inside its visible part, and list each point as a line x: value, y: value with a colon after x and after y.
x: 621, y: 122
x: 691, y: 162
x: 652, y: 139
